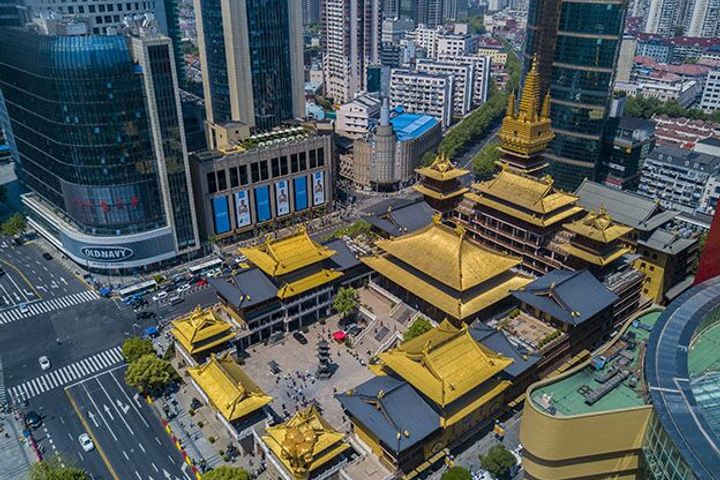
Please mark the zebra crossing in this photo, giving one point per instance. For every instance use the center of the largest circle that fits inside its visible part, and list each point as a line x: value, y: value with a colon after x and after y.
x: 45, y: 306
x: 69, y: 373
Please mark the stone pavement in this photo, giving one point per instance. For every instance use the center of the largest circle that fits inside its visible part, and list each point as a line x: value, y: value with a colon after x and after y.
x: 16, y: 456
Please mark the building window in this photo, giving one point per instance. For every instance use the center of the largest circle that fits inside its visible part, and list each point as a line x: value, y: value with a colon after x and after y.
x: 283, y: 165
x: 321, y: 157
x: 101, y: 8
x: 212, y: 186
x: 275, y: 163
x: 243, y: 175
x: 264, y: 170
x: 294, y: 163
x: 234, y: 181
x: 313, y: 158
x: 303, y: 161
x: 254, y: 172
x: 222, y: 180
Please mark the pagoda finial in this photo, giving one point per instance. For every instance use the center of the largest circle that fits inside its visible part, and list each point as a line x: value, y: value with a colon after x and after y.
x: 545, y: 113
x: 530, y: 98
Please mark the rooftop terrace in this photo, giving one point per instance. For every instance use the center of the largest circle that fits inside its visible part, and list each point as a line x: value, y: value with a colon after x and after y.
x: 569, y: 396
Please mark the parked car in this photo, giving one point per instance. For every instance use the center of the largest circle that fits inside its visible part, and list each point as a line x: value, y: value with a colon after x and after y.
x: 300, y: 338
x: 145, y: 315
x: 183, y: 288
x: 47, y: 256
x: 159, y: 296
x: 174, y: 300
x: 202, y: 282
x: 86, y: 443
x: 354, y: 331
x: 33, y: 419
x: 274, y: 367
x: 44, y: 362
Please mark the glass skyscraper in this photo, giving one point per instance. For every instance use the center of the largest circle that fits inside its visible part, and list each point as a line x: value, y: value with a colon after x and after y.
x: 576, y: 44
x: 97, y: 125
x: 10, y: 13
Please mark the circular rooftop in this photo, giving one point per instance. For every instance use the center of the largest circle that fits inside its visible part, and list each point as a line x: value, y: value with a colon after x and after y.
x: 683, y: 374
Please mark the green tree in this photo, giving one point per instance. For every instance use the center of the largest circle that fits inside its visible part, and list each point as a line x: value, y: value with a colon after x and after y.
x: 149, y: 373
x: 14, y: 225
x: 345, y: 301
x: 226, y: 473
x: 52, y: 469
x: 417, y: 328
x: 702, y: 240
x: 484, y: 164
x: 135, y: 347
x: 457, y: 473
x: 498, y: 461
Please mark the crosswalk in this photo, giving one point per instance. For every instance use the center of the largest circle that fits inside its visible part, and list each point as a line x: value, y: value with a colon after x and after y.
x: 45, y: 306
x: 63, y: 376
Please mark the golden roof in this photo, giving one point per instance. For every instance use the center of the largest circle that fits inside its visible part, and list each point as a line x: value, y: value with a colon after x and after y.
x: 278, y: 257
x: 594, y: 258
x: 201, y: 330
x: 439, y: 195
x: 445, y: 363
x: 305, y: 442
x: 229, y: 389
x: 533, y: 219
x: 442, y: 169
x: 447, y: 255
x: 599, y: 227
x: 535, y: 194
x: 308, y: 282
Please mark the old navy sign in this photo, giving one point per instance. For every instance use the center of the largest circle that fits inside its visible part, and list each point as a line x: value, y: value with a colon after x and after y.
x: 107, y: 254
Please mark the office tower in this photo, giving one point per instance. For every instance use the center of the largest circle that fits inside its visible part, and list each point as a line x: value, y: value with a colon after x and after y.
x: 252, y: 63
x: 351, y: 32
x: 704, y: 19
x: 577, y: 56
x: 98, y: 128
x: 311, y: 11
x: 450, y: 10
x: 390, y: 8
x: 664, y: 16
x: 430, y: 12
x: 10, y: 13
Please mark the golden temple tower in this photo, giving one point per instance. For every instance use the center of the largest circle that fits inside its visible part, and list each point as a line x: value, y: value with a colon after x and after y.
x: 441, y: 183
x: 526, y: 131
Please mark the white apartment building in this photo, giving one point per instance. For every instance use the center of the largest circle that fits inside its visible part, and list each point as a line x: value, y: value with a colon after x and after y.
x: 710, y: 100
x: 497, y: 55
x: 439, y: 42
x: 704, y: 19
x: 350, y: 38
x: 482, y: 66
x: 354, y: 119
x: 664, y: 87
x: 663, y: 17
x: 463, y: 81
x: 427, y: 93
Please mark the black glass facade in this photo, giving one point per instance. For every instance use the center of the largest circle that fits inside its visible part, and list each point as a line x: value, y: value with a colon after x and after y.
x: 216, y: 61
x: 10, y: 13
x: 79, y: 119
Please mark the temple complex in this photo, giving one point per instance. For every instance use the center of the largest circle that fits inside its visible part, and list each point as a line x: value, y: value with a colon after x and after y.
x: 441, y: 184
x: 305, y: 445
x: 200, y: 332
x: 440, y: 272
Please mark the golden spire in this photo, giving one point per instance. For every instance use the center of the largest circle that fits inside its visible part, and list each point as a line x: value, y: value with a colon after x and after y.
x: 530, y: 99
x: 511, y: 106
x: 545, y: 113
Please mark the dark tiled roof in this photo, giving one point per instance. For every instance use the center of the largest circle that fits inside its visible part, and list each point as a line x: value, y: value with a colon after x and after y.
x: 392, y: 411
x: 396, y: 221
x: 634, y: 123
x: 625, y: 207
x: 678, y: 156
x: 496, y: 341
x: 570, y: 297
x: 343, y: 259
x: 667, y: 242
x: 253, y: 287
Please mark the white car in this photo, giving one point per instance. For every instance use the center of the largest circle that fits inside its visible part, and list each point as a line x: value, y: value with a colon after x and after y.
x: 159, y: 296
x: 24, y: 308
x: 86, y: 442
x: 44, y: 363
x: 183, y: 288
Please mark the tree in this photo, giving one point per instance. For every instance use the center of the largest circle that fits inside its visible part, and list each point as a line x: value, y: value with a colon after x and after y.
x: 418, y: 327
x: 52, y: 469
x: 226, y: 473
x: 457, y: 473
x: 345, y: 301
x: 484, y: 164
x: 701, y: 246
x: 498, y: 461
x: 14, y: 225
x: 135, y: 347
x: 149, y: 373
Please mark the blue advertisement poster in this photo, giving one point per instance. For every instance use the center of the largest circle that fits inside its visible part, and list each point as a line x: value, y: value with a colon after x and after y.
x: 262, y: 203
x: 301, y: 194
x: 222, y: 217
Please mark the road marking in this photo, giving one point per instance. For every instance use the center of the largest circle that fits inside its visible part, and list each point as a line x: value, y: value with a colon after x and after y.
x: 92, y: 400
x: 125, y: 455
x: 154, y: 467
x: 114, y: 406
x: 39, y: 307
x: 171, y: 459
x: 141, y: 447
x: 138, y: 475
x: 158, y: 441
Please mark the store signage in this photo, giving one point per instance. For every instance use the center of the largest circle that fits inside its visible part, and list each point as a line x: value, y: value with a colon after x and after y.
x: 107, y: 254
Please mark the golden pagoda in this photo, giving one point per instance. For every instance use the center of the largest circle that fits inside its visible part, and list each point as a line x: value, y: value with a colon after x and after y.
x: 201, y: 330
x: 305, y: 443
x: 454, y: 371
x: 526, y: 130
x: 440, y: 184
x: 228, y: 388
x: 597, y: 242
x: 439, y: 270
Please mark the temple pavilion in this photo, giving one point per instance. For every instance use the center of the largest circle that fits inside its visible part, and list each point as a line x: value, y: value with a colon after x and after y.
x: 441, y: 184
x: 439, y: 271
x: 199, y: 333
x: 305, y: 445
x: 230, y: 391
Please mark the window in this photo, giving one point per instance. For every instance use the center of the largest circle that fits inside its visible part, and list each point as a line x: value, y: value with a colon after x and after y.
x: 111, y: 7
x: 313, y: 158
x: 264, y: 170
x: 243, y: 175
x: 91, y: 8
x: 275, y: 164
x: 234, y: 181
x: 321, y: 157
x: 222, y: 180
x: 283, y: 165
x: 294, y: 163
x: 212, y: 186
x: 254, y: 172
x: 303, y: 161
x: 101, y: 8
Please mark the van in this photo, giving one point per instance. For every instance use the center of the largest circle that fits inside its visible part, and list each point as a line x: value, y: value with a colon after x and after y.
x: 174, y: 300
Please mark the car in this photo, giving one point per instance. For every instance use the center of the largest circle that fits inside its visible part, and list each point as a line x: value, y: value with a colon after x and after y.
x: 202, y: 282
x: 183, y: 288
x: 2, y: 272
x: 274, y: 367
x: 47, y: 256
x: 300, y: 338
x: 354, y: 330
x: 33, y: 419
x: 24, y: 308
x: 159, y: 296
x: 44, y: 362
x: 86, y: 442
x: 145, y: 315
x: 174, y: 300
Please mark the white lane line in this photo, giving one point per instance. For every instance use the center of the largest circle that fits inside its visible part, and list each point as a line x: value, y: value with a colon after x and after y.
x: 92, y: 400
x: 119, y: 412
x: 133, y: 404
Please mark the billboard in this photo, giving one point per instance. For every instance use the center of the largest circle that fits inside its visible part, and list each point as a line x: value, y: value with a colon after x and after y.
x: 318, y: 182
x: 242, y: 209
x: 262, y: 203
x: 221, y: 215
x: 282, y: 198
x: 301, y: 196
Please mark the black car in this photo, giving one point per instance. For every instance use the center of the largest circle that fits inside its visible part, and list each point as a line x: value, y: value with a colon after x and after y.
x: 33, y: 419
x: 47, y: 256
x: 300, y: 338
x: 145, y: 315
x: 274, y: 367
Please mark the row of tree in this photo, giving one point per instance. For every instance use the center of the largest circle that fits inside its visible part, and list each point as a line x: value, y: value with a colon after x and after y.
x: 645, y: 107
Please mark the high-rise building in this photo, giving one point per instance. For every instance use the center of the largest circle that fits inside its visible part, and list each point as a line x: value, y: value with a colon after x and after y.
x: 311, y: 11
x: 704, y: 19
x: 252, y: 62
x: 576, y: 45
x: 99, y: 133
x: 463, y: 81
x: 662, y: 17
x: 351, y: 34
x: 419, y: 92
x: 10, y: 13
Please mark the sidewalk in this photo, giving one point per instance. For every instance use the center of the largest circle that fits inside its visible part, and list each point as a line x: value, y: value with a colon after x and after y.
x: 15, y: 457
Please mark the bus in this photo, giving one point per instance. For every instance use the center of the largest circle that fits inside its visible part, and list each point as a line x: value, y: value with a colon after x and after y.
x: 206, y: 267
x: 137, y: 290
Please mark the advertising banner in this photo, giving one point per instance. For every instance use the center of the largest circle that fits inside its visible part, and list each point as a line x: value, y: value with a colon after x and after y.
x: 282, y: 198
x: 242, y: 209
x: 221, y: 215
x: 301, y: 196
x: 318, y: 180
x: 262, y: 203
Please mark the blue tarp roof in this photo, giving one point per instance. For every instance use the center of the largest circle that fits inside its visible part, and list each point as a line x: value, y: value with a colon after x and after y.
x: 408, y: 126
